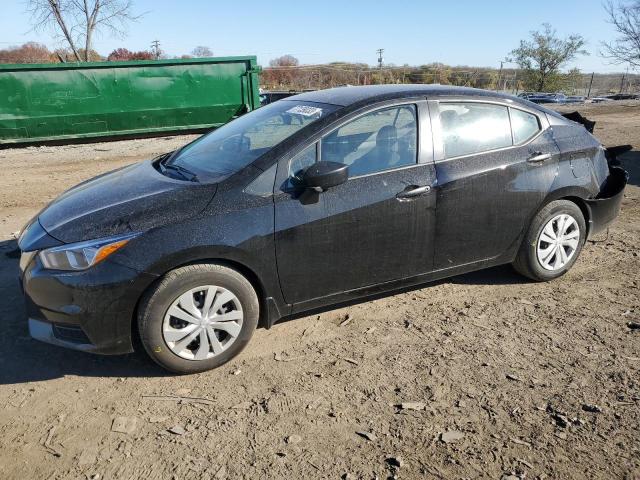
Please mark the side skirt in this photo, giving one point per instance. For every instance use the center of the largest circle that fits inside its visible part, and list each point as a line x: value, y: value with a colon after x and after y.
x: 373, y: 292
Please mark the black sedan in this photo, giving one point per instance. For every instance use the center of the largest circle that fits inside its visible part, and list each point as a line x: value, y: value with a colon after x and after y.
x: 316, y: 200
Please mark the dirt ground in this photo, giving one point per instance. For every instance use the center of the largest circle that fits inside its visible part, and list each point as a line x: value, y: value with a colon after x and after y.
x: 480, y: 376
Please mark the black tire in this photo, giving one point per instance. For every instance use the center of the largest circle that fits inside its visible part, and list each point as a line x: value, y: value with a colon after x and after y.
x: 526, y: 262
x: 157, y: 301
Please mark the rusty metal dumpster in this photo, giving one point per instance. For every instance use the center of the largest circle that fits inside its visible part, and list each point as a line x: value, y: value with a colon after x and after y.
x: 45, y: 102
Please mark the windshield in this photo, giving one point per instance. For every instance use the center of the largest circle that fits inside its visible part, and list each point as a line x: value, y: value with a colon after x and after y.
x: 238, y: 143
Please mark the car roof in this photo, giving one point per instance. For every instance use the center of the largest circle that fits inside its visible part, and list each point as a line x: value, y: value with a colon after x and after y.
x: 351, y: 98
x: 346, y: 96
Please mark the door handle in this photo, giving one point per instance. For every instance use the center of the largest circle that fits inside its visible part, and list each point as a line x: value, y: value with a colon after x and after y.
x: 413, y: 191
x: 539, y: 157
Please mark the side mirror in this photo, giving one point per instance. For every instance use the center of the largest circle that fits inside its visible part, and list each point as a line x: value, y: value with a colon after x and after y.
x: 323, y: 175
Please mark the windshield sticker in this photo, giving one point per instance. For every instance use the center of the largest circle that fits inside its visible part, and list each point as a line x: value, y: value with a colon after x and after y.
x: 305, y: 110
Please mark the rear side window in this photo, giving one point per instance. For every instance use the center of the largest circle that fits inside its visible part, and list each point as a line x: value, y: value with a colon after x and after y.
x: 381, y: 140
x: 525, y: 126
x: 469, y: 128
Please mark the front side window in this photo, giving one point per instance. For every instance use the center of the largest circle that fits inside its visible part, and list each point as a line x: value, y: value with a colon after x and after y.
x: 238, y: 143
x: 469, y: 128
x: 299, y: 163
x: 377, y: 141
x: 525, y: 126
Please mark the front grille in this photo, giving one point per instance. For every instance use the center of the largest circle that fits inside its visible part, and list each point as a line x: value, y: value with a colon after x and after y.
x: 70, y: 334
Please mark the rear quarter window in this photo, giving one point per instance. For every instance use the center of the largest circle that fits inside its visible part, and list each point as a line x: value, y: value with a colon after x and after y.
x: 524, y: 125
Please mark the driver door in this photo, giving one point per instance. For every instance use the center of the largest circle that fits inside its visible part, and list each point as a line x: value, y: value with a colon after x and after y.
x: 376, y: 227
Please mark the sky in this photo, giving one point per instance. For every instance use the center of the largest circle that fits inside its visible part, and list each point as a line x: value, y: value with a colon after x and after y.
x: 454, y: 32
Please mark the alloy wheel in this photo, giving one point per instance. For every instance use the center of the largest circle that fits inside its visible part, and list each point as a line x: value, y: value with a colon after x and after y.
x: 558, y: 242
x: 202, y: 322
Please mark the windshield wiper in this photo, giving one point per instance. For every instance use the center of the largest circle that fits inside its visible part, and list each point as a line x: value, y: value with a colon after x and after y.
x: 179, y: 169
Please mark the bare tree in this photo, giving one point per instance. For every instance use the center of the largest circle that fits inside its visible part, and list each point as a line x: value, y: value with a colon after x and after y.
x: 124, y: 54
x: 281, y: 72
x: 202, y: 51
x: 284, y: 61
x: 625, y: 17
x: 77, y: 21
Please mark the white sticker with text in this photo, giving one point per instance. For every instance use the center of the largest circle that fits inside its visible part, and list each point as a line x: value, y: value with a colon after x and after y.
x: 305, y: 110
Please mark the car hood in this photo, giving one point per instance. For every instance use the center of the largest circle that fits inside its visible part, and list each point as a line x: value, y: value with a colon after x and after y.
x: 131, y: 199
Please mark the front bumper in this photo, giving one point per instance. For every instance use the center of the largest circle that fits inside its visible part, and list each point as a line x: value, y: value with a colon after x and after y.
x: 91, y: 310
x: 606, y: 206
x: 51, y: 333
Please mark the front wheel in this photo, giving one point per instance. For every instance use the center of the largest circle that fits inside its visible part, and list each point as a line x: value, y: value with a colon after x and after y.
x: 553, y: 242
x: 198, y: 317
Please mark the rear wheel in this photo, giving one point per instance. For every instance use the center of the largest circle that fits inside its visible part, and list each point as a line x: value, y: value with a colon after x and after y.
x: 553, y: 242
x: 198, y: 317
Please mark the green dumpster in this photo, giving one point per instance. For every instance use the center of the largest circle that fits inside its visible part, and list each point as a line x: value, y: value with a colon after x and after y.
x: 67, y: 101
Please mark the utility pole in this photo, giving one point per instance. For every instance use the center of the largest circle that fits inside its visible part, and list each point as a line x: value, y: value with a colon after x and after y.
x: 155, y: 48
x: 499, y: 76
x: 590, y: 84
x: 622, y: 81
x: 380, y: 51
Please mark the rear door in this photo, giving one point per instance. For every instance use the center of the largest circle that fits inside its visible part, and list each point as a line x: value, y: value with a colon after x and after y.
x: 495, y: 164
x: 376, y: 227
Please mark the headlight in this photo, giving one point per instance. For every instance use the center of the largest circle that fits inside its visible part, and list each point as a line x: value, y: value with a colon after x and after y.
x: 82, y: 255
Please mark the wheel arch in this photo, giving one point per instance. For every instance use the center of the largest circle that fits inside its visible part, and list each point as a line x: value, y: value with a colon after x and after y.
x: 521, y: 261
x: 270, y: 311
x: 582, y: 205
x: 575, y: 194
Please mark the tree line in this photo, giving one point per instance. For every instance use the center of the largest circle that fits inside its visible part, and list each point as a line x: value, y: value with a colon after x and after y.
x: 33, y: 52
x: 539, y: 58
x: 293, y: 76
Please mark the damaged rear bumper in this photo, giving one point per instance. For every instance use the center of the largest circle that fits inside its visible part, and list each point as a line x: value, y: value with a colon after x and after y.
x: 605, y: 207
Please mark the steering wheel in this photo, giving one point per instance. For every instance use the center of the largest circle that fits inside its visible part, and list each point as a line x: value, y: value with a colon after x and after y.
x: 236, y: 144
